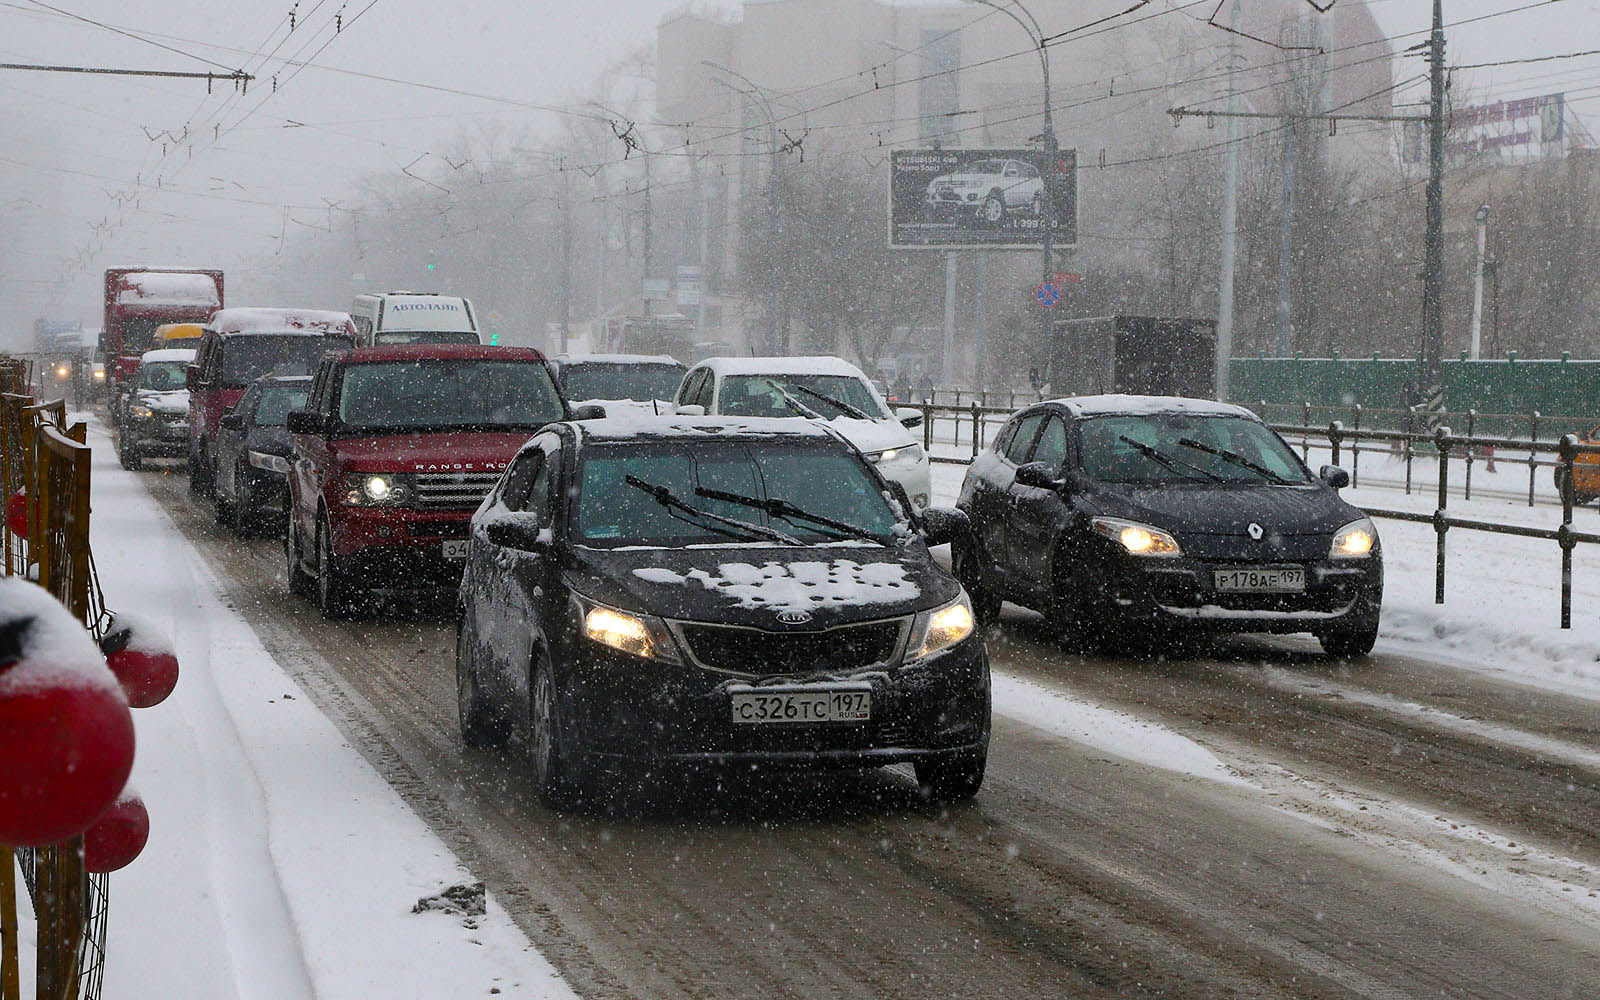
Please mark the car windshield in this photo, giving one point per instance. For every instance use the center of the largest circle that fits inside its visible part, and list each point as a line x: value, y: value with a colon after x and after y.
x: 277, y: 401
x: 139, y: 335
x: 161, y: 376
x: 445, y: 394
x: 606, y: 380
x: 247, y: 357
x: 756, y: 395
x: 426, y: 337
x: 817, y: 477
x: 1197, y: 447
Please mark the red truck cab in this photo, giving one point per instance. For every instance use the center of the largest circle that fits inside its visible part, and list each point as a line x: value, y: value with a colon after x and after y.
x: 238, y: 346
x: 139, y: 299
x: 394, y: 451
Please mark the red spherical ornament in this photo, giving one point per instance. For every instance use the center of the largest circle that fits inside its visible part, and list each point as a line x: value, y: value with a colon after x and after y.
x: 66, y: 748
x: 146, y: 678
x: 117, y: 837
x: 17, y: 513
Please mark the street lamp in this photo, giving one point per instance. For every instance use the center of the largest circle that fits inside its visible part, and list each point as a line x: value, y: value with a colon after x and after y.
x: 774, y: 219
x: 1036, y: 35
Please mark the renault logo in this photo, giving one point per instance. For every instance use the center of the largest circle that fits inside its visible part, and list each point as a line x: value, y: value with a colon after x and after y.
x: 1255, y: 531
x: 794, y: 617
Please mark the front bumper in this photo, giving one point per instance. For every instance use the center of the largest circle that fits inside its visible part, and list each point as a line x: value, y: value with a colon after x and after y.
x: 401, y: 548
x: 625, y: 710
x: 155, y: 437
x: 1179, y: 594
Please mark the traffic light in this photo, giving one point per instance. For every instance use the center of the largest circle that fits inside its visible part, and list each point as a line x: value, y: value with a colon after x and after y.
x: 494, y: 340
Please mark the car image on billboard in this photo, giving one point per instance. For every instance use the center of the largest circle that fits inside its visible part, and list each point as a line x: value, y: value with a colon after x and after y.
x: 981, y: 198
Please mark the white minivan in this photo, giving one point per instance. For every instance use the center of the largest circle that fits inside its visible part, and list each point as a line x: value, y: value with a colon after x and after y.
x: 413, y: 318
x: 825, y: 388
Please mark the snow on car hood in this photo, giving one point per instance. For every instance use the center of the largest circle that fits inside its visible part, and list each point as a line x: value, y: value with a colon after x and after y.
x: 873, y: 435
x: 753, y: 585
x: 170, y: 401
x: 628, y: 407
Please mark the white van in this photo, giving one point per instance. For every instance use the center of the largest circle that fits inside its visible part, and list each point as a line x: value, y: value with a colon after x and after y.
x: 413, y: 318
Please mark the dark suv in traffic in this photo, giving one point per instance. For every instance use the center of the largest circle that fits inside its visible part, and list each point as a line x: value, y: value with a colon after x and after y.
x: 1134, y: 516
x: 711, y: 590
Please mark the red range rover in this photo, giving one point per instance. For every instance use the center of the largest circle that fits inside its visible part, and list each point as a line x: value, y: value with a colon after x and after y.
x: 395, y: 449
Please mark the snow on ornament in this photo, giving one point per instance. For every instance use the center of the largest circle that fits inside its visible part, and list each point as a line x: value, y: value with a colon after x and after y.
x: 17, y: 513
x: 141, y: 656
x: 66, y: 735
x: 117, y: 837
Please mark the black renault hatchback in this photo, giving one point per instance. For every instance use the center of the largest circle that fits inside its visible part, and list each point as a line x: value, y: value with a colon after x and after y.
x: 1139, y: 515
x: 714, y: 590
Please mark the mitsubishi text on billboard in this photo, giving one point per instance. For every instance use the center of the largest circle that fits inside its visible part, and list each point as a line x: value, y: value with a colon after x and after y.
x: 976, y: 199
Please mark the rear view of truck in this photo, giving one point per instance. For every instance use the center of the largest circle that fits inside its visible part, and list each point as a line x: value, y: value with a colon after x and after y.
x: 139, y: 299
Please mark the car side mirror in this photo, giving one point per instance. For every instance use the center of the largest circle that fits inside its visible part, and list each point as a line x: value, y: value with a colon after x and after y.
x: 233, y: 421
x: 942, y: 525
x: 191, y: 376
x: 304, y: 422
x: 908, y: 417
x: 1334, y: 476
x: 516, y: 532
x: 589, y: 411
x: 690, y: 410
x: 1039, y: 476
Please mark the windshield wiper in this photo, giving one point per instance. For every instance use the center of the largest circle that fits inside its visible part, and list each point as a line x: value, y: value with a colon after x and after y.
x: 672, y: 501
x: 1170, y: 463
x: 794, y: 404
x: 777, y: 507
x: 845, y: 408
x: 1236, y: 459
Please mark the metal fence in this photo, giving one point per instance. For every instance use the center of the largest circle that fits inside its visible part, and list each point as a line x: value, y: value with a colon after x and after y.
x: 971, y: 427
x: 49, y: 462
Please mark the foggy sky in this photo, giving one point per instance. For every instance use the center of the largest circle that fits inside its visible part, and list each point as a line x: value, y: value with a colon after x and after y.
x: 71, y: 143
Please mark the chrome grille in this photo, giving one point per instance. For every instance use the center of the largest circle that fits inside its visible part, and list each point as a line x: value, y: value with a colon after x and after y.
x: 454, y: 490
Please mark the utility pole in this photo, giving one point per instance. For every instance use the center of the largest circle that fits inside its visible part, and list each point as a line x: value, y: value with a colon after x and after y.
x: 1477, y: 281
x: 564, y: 290
x: 649, y: 247
x: 1432, y: 380
x: 949, y: 367
x: 1230, y: 216
x: 1285, y: 338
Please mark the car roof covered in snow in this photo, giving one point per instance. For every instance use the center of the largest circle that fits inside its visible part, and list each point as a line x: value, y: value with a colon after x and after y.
x: 255, y: 319
x: 1120, y: 404
x: 618, y: 359
x: 824, y: 365
x: 185, y: 354
x: 442, y: 352
x: 685, y: 428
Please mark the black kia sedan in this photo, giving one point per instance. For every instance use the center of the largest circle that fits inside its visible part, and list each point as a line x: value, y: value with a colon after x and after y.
x: 1122, y: 516
x: 711, y: 590
x: 252, y: 449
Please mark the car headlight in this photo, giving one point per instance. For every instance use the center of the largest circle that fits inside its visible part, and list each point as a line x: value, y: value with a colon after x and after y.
x: 935, y: 631
x: 271, y: 463
x: 100, y: 373
x: 644, y: 636
x: 909, y: 453
x: 1354, y: 541
x: 1135, y: 538
x: 377, y: 489
x: 62, y: 371
x: 139, y: 411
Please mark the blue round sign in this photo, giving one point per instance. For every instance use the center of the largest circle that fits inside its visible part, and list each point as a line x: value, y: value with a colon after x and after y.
x: 1048, y: 293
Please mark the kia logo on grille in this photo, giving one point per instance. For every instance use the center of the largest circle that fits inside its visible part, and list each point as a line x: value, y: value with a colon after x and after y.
x: 1255, y: 531
x: 794, y: 617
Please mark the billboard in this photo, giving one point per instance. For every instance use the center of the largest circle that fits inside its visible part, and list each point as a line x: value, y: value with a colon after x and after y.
x: 982, y: 199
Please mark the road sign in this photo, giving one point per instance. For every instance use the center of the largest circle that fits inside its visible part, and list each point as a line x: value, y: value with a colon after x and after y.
x: 657, y: 289
x: 1048, y: 293
x: 975, y: 199
x: 689, y: 287
x: 1068, y: 277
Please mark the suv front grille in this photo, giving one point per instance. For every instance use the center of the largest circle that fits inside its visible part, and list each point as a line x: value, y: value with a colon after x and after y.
x: 741, y: 650
x: 454, y: 490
